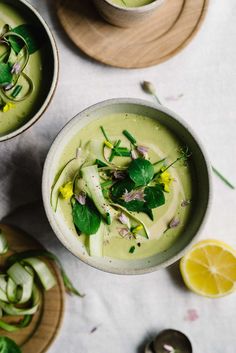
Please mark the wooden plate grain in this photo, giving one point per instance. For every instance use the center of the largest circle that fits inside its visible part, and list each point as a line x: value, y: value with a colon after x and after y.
x: 39, y: 335
x: 169, y: 30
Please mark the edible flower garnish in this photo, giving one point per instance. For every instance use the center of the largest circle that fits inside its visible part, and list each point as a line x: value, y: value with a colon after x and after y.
x: 67, y: 190
x: 185, y: 203
x: 143, y: 151
x: 7, y: 107
x: 124, y: 220
x: 174, y: 222
x: 119, y: 175
x: 125, y: 233
x: 81, y: 198
x: 135, y: 230
x: 165, y: 179
x: 133, y: 195
x: 16, y: 68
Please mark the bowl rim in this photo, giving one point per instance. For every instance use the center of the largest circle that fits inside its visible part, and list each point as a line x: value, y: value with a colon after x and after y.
x: 138, y: 9
x: 53, y: 86
x: 49, y: 157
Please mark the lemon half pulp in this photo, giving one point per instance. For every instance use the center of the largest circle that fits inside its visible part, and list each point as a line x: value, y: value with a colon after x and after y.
x: 209, y: 268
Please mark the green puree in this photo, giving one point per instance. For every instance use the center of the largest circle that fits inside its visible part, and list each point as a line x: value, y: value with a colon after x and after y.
x: 131, y: 3
x: 23, y: 111
x: 161, y: 143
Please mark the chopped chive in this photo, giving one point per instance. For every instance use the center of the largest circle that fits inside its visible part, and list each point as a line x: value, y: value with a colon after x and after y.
x: 106, y: 193
x: 132, y: 249
x: 108, y: 218
x: 100, y: 163
x: 222, y: 178
x: 16, y: 91
x: 107, y: 183
x: 117, y: 144
x: 159, y: 162
x: 104, y: 133
x: 122, y: 149
x: 122, y: 154
x: 130, y: 137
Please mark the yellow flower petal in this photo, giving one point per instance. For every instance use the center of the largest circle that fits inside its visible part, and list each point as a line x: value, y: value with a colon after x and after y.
x: 108, y: 144
x: 7, y: 107
x: 67, y: 190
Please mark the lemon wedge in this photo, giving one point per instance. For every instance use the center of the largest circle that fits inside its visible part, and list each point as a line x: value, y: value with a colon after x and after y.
x: 209, y: 268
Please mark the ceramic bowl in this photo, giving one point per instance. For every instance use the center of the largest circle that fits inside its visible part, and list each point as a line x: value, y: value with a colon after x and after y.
x: 201, y: 169
x: 49, y: 64
x: 125, y: 16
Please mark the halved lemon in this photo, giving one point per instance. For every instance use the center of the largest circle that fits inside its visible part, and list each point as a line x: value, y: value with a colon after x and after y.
x: 209, y: 268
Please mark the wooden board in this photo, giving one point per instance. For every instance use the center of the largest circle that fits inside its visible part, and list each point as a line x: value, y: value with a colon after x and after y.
x: 39, y: 335
x: 154, y: 41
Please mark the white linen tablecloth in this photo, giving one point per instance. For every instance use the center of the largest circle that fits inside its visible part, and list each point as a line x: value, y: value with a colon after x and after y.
x: 125, y: 310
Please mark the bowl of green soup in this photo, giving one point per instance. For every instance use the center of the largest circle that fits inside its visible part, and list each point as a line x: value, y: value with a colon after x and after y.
x: 126, y: 186
x: 127, y: 13
x: 28, y: 67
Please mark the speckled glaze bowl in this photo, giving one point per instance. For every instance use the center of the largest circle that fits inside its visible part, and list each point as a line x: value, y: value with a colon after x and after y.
x: 125, y: 16
x: 50, y: 65
x: 201, y: 174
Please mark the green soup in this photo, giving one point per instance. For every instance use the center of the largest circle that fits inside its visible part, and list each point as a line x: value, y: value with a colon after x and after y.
x: 162, y: 145
x: 36, y: 68
x: 131, y: 3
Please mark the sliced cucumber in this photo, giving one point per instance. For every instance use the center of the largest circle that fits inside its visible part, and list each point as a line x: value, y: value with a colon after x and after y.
x: 96, y: 242
x: 67, y: 174
x: 92, y: 182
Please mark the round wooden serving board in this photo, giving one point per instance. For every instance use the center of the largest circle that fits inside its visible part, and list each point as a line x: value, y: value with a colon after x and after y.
x: 169, y: 29
x: 38, y: 336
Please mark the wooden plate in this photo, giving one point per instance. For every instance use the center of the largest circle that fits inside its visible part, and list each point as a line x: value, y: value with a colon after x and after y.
x: 39, y: 335
x: 170, y: 29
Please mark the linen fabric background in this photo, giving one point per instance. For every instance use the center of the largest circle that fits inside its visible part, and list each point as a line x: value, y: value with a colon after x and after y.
x: 119, y: 313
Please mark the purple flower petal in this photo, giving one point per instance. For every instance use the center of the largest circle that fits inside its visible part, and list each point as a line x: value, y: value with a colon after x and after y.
x: 8, y: 86
x: 124, y: 219
x: 185, y: 203
x: 174, y: 222
x: 133, y: 195
x: 119, y: 175
x: 125, y: 233
x: 81, y: 198
x: 16, y: 68
x: 143, y: 150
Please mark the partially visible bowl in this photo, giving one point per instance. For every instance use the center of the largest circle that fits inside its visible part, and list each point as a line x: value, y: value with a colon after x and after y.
x: 201, y: 173
x: 23, y: 12
x: 122, y: 16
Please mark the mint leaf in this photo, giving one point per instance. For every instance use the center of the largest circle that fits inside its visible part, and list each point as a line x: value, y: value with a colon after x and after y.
x: 86, y: 217
x: 5, y: 74
x: 32, y: 36
x: 154, y: 196
x: 8, y: 346
x: 141, y: 171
